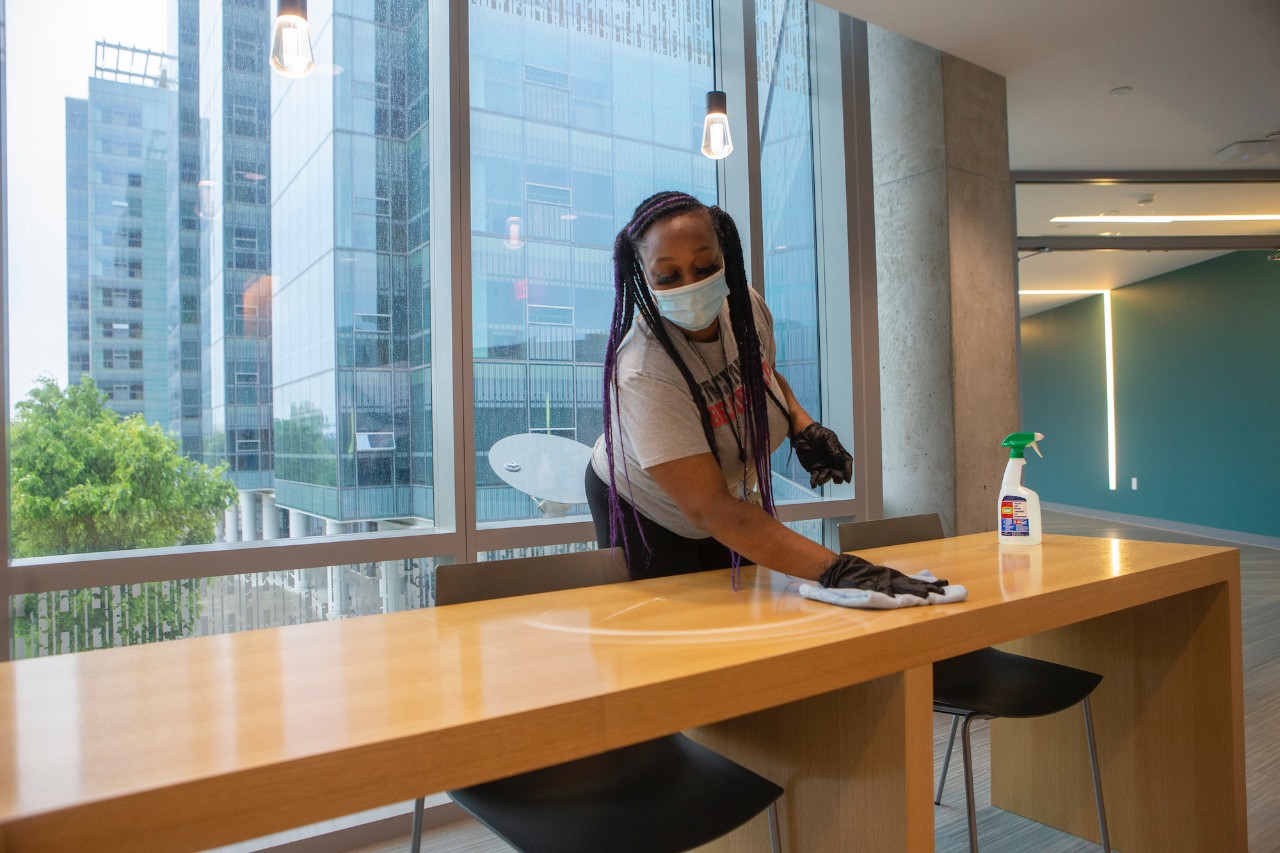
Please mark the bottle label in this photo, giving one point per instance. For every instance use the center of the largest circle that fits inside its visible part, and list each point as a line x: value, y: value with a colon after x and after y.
x: 1013, y: 516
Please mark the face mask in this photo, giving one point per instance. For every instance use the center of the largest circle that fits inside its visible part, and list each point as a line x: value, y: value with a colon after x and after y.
x: 695, y: 306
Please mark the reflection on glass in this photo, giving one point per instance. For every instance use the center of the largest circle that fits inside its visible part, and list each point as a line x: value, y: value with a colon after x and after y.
x: 574, y: 121
x: 102, y: 617
x: 786, y: 185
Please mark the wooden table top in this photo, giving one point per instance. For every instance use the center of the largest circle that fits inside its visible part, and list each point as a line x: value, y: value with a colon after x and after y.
x: 203, y: 741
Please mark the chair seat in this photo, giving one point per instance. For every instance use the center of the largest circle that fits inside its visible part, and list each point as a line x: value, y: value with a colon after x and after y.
x: 1000, y: 684
x: 668, y: 794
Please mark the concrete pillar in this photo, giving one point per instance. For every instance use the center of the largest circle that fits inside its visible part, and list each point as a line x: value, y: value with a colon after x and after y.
x: 232, y: 524
x: 270, y: 516
x: 334, y: 528
x: 297, y: 524
x: 248, y: 516
x: 946, y: 284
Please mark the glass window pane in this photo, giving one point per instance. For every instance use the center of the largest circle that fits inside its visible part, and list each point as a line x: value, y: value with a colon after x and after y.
x: 245, y: 259
x: 80, y: 620
x: 786, y: 188
x: 574, y: 121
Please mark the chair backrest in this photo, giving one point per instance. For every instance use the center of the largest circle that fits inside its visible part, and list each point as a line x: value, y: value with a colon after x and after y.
x: 858, y: 535
x: 457, y: 583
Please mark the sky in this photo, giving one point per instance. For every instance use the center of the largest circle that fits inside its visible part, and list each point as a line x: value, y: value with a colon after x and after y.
x: 34, y: 105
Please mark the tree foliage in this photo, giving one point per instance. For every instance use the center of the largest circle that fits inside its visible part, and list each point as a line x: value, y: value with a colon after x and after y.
x: 85, y: 479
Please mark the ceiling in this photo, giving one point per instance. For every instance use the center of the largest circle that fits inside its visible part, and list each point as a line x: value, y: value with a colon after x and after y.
x: 1202, y: 75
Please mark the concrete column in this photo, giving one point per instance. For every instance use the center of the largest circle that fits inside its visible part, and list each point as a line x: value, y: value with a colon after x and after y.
x: 947, y: 294
x: 249, y: 515
x: 334, y: 528
x: 232, y: 523
x: 297, y: 524
x: 270, y: 516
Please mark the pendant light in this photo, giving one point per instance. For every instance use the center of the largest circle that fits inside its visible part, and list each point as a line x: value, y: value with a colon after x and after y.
x: 716, y: 142
x: 291, y: 39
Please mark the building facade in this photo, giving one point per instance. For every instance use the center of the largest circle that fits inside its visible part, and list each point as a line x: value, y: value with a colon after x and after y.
x: 121, y: 166
x: 185, y: 287
x: 234, y: 209
x: 350, y: 248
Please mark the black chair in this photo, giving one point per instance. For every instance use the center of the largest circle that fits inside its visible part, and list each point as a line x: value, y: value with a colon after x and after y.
x: 988, y: 683
x: 668, y: 794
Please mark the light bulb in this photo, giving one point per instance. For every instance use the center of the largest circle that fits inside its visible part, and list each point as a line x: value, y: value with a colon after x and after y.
x: 291, y: 39
x: 716, y: 142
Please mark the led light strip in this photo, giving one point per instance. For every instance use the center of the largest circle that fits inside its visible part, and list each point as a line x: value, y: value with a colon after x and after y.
x: 1159, y: 220
x: 1111, y: 368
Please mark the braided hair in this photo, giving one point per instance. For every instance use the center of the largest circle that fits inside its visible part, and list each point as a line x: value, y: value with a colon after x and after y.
x: 632, y: 294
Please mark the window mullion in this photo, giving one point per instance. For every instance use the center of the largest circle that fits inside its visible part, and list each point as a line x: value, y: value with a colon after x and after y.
x: 451, y: 371
x: 738, y: 175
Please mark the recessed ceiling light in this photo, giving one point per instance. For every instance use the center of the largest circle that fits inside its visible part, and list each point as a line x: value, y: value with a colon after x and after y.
x: 1164, y: 220
x: 1122, y: 90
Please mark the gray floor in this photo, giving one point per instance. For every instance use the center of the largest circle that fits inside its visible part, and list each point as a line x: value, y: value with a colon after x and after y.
x: 1001, y: 832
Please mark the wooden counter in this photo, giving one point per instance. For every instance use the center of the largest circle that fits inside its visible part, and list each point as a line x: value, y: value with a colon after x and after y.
x: 190, y: 744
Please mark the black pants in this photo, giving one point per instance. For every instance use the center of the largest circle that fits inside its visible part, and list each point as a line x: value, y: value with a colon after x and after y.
x: 667, y: 553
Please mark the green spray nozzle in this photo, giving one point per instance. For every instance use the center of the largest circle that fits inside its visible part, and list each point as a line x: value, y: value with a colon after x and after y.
x: 1018, y: 441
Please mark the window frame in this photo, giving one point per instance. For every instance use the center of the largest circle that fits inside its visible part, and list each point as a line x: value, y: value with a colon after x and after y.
x: 846, y: 254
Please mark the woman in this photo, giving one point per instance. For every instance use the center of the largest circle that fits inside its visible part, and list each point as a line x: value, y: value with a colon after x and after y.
x: 693, y: 407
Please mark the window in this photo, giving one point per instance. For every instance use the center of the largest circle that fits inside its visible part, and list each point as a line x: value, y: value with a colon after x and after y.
x: 120, y: 297
x: 789, y: 218
x: 550, y: 315
x: 375, y: 441
x: 544, y: 194
x: 546, y: 211
x: 295, y: 338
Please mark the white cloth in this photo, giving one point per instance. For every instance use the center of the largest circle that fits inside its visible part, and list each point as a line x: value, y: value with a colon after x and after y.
x: 865, y: 599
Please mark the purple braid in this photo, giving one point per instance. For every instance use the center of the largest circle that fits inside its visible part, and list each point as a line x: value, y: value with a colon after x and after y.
x: 631, y: 294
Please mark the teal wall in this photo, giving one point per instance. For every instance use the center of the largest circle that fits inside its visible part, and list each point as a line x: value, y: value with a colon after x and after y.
x: 1197, y: 363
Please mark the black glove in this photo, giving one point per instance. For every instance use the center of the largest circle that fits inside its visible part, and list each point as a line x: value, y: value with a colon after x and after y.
x: 852, y: 572
x: 822, y: 455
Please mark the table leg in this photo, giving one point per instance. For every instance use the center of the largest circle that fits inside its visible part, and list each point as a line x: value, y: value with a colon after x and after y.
x: 1169, y: 718
x: 857, y: 765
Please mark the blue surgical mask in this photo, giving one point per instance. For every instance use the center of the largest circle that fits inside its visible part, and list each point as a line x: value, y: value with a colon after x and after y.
x: 695, y: 306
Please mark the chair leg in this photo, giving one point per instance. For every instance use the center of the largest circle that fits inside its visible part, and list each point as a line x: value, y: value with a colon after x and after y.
x: 415, y: 843
x: 1097, y: 777
x: 775, y: 835
x: 968, y: 786
x: 946, y: 760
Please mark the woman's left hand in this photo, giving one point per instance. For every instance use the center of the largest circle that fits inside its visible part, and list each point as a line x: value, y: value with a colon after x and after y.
x: 822, y: 455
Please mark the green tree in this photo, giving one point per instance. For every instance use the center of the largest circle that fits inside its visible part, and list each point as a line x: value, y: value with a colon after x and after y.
x: 84, y: 479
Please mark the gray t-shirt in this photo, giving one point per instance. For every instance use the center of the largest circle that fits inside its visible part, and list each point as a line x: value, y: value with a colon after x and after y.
x: 657, y: 420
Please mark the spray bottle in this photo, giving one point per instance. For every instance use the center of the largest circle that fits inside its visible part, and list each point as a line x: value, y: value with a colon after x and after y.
x: 1018, y: 518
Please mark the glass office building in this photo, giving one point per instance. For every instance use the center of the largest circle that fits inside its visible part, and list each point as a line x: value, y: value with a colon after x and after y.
x: 579, y: 111
x: 234, y: 208
x: 350, y: 246
x: 121, y: 165
x: 185, y: 287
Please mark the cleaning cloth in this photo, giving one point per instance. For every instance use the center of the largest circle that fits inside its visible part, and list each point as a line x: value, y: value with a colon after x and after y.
x: 869, y: 599
x: 851, y: 581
